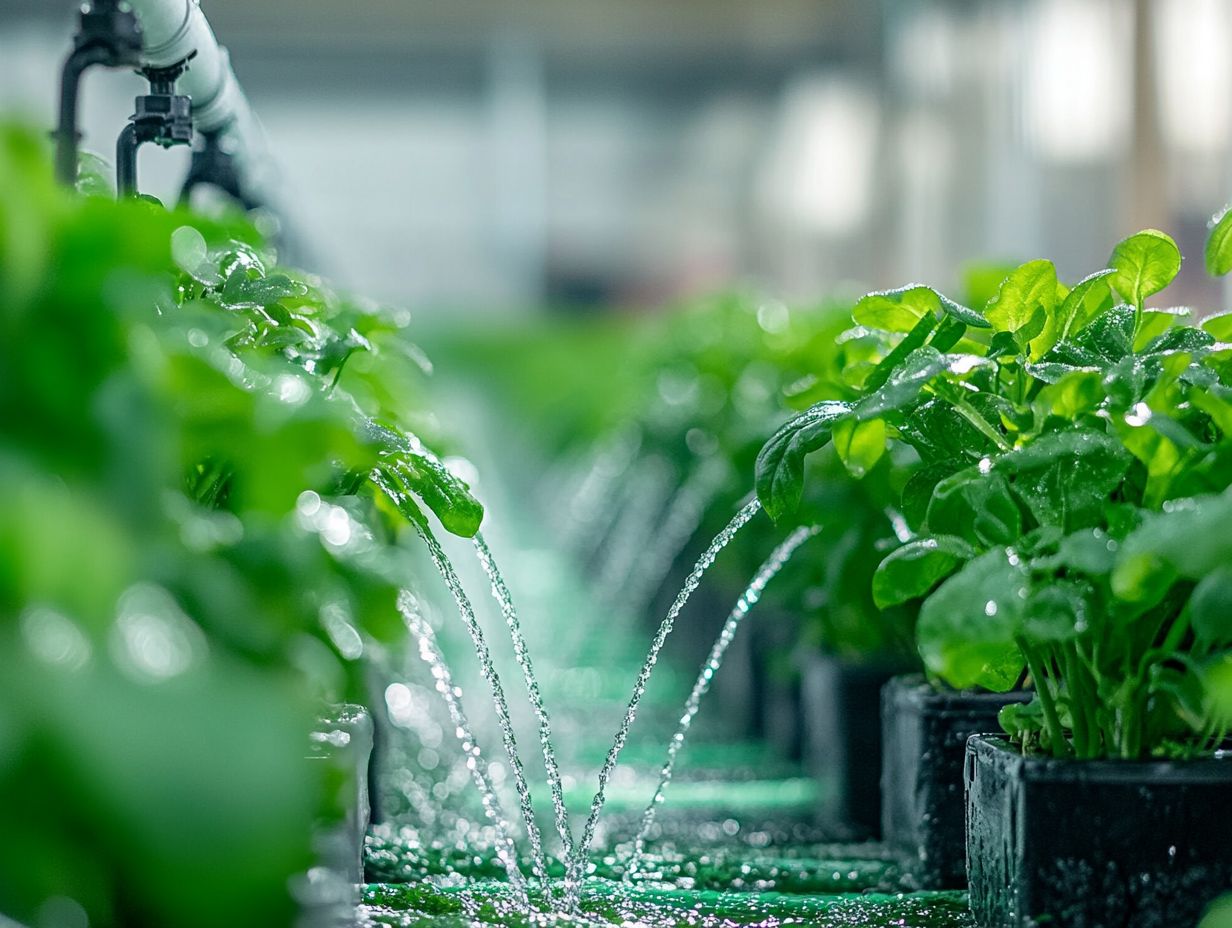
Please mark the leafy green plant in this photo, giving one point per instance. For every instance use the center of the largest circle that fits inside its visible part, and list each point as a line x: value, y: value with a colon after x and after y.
x: 189, y: 545
x: 1067, y: 461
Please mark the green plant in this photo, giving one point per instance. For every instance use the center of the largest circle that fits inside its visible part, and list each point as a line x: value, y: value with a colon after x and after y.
x: 1058, y: 446
x: 189, y: 548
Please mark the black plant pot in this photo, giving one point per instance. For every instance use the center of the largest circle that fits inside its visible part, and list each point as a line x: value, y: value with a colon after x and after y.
x: 1095, y: 844
x: 842, y: 725
x: 924, y: 732
x: 329, y: 893
x: 780, y: 720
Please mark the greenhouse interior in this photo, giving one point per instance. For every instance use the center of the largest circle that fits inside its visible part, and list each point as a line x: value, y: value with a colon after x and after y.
x: 616, y: 462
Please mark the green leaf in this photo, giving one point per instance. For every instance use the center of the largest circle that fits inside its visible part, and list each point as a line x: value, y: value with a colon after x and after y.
x: 242, y: 291
x: 860, y: 444
x: 976, y: 506
x: 1056, y: 612
x: 898, y: 310
x: 445, y: 494
x: 780, y: 463
x: 912, y: 570
x: 1219, y: 325
x: 912, y: 341
x: 1219, y: 245
x: 967, y: 627
x: 1210, y: 607
x: 1109, y: 338
x: 964, y: 314
x: 1064, y: 478
x: 1190, y: 540
x: 1145, y: 263
x: 1216, y: 402
x: 904, y: 385
x: 1090, y: 298
x: 1075, y: 393
x: 1029, y: 289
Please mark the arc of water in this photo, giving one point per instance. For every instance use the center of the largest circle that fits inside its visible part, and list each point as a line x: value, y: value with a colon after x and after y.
x: 748, y: 599
x: 501, y: 703
x: 430, y: 653
x: 467, y: 611
x: 639, y: 688
x: 500, y: 592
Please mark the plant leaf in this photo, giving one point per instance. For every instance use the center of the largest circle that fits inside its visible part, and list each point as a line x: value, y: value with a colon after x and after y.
x: 780, y: 463
x: 1219, y: 245
x: 1026, y: 291
x: 1145, y: 263
x: 1090, y: 298
x: 910, y: 342
x: 904, y: 385
x: 445, y: 494
x: 897, y: 310
x: 860, y: 444
x: 912, y: 570
x: 968, y: 625
x: 1064, y: 478
x: 1210, y: 607
x: 976, y: 506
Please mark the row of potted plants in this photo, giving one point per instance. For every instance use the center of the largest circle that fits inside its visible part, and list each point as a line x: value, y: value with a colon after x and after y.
x: 191, y: 559
x: 1061, y: 468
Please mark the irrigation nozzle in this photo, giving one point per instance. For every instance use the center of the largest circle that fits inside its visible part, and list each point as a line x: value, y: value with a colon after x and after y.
x: 162, y: 116
x: 108, y: 35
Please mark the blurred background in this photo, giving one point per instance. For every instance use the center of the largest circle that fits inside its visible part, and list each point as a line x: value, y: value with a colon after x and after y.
x: 507, y: 155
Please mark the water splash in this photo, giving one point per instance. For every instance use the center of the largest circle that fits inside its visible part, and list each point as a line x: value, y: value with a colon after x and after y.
x: 773, y: 564
x: 467, y: 611
x: 684, y: 515
x: 430, y: 652
x: 500, y: 592
x: 639, y: 688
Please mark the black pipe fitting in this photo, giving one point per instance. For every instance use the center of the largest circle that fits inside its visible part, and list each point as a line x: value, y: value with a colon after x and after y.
x: 161, y: 116
x: 108, y: 35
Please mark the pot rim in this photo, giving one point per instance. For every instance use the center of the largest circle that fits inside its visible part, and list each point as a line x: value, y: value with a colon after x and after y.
x: 997, y: 749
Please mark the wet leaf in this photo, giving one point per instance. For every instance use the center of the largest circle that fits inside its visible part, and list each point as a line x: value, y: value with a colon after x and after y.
x: 1027, y: 291
x: 1145, y: 264
x: 780, y: 463
x: 968, y: 625
x: 911, y: 571
x: 976, y: 506
x: 1065, y: 478
x: 1219, y: 245
x: 860, y: 444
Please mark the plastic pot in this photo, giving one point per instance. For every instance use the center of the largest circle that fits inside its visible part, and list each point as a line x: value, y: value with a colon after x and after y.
x: 1095, y: 844
x: 329, y: 893
x: 842, y: 726
x: 924, y: 732
x: 777, y: 684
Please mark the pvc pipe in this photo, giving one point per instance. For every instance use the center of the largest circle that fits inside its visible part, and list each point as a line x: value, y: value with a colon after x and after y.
x: 173, y: 30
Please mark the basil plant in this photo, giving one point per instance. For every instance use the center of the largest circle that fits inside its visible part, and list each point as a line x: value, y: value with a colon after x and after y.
x: 1066, y: 466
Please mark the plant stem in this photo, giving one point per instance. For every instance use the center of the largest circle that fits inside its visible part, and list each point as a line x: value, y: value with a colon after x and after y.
x: 1060, y: 747
x: 1079, y: 703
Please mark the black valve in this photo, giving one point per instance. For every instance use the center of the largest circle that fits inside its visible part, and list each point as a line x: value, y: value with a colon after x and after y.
x: 213, y: 165
x: 161, y: 116
x: 109, y: 35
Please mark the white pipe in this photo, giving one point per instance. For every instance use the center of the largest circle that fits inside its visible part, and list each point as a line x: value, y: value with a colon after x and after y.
x: 174, y: 29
